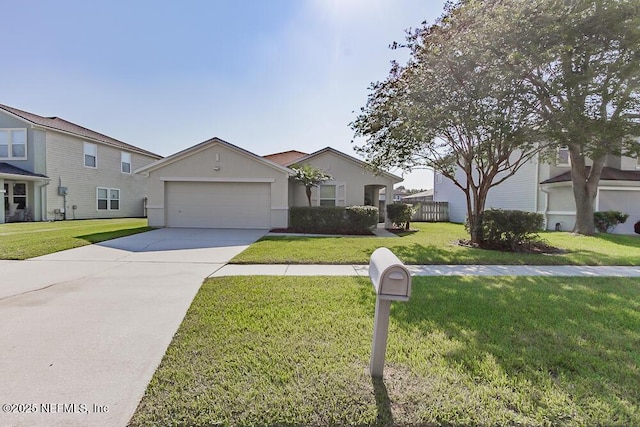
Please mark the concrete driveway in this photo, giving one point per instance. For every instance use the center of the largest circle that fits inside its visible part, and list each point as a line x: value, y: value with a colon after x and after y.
x: 82, y: 331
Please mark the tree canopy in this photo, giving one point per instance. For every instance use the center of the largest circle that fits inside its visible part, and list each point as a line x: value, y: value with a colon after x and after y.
x: 493, y: 82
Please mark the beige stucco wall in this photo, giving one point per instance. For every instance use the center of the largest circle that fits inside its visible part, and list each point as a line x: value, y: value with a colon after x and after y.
x: 65, y: 167
x: 343, y: 171
x: 233, y: 165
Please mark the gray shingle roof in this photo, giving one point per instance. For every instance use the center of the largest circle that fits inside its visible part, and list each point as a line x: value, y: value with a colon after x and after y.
x: 57, y: 123
x: 608, y: 174
x: 14, y: 170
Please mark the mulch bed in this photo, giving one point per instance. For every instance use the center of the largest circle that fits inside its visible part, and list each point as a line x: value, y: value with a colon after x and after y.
x: 527, y: 248
x: 333, y: 232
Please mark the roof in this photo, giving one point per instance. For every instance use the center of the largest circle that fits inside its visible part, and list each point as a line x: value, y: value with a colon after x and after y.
x: 285, y: 158
x: 362, y: 164
x: 56, y: 123
x: 14, y: 171
x: 608, y: 174
x: 203, y: 146
x: 427, y: 193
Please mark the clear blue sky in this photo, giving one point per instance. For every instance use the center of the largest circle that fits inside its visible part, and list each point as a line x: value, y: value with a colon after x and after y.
x: 267, y: 75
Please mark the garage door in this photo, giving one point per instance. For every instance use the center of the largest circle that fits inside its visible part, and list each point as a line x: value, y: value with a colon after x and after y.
x: 218, y: 204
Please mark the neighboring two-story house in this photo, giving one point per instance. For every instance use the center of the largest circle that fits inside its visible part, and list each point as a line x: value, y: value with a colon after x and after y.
x: 546, y: 188
x: 52, y: 169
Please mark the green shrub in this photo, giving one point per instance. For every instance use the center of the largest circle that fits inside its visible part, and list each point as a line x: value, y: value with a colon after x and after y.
x: 400, y: 214
x: 608, y: 220
x: 510, y: 228
x: 361, y: 217
x: 332, y: 219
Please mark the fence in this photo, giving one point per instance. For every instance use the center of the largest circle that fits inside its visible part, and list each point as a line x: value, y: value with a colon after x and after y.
x: 431, y: 212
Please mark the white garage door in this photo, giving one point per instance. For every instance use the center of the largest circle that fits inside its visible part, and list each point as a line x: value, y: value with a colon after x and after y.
x: 218, y: 204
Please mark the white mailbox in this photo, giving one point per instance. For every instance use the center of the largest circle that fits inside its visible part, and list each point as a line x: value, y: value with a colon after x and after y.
x: 390, y: 278
x: 392, y: 282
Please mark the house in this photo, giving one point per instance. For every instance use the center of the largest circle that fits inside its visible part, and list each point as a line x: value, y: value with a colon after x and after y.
x: 545, y: 187
x: 422, y: 196
x: 52, y: 169
x: 398, y: 195
x: 219, y: 185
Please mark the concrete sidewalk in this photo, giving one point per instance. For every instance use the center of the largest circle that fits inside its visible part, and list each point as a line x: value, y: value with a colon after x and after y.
x: 429, y: 270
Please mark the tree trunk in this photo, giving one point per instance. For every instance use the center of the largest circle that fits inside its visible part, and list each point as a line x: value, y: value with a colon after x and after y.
x: 585, y: 188
x: 309, y: 195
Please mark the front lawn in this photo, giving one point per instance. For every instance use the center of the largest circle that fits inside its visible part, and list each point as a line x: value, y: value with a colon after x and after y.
x: 22, y: 240
x: 462, y: 351
x: 436, y: 243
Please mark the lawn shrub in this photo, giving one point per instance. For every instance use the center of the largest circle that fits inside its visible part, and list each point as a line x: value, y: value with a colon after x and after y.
x: 361, y: 217
x: 400, y: 214
x: 636, y: 227
x: 332, y: 219
x: 511, y: 228
x: 606, y: 221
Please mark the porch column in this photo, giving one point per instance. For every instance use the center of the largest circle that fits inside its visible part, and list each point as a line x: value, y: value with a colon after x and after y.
x: 2, y: 218
x: 388, y: 199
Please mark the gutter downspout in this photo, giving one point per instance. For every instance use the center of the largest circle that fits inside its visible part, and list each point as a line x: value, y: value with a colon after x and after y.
x: 546, y: 206
x: 43, y: 204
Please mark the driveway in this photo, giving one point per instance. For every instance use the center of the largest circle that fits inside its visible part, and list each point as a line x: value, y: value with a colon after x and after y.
x: 82, y: 331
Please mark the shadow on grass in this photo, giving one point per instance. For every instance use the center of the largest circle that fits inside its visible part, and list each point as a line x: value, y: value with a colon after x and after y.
x: 108, y: 235
x: 383, y: 403
x: 579, y: 334
x: 631, y: 241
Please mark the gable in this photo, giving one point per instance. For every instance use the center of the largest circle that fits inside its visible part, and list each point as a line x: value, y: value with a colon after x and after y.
x: 343, y: 167
x: 212, y: 159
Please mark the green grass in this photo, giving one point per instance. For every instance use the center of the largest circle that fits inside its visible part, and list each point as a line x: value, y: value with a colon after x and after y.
x: 30, y: 239
x: 462, y: 351
x: 436, y: 243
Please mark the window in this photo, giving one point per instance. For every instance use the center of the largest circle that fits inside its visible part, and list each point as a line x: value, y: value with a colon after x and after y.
x: 90, y: 155
x: 563, y: 156
x: 438, y: 178
x: 108, y: 199
x: 125, y: 162
x: 15, y: 192
x: 327, y: 195
x: 13, y: 144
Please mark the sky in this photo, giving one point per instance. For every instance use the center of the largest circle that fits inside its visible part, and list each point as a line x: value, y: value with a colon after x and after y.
x: 265, y: 75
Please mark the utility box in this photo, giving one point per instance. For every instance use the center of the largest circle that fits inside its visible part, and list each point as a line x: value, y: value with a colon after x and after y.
x: 390, y: 278
x: 62, y: 191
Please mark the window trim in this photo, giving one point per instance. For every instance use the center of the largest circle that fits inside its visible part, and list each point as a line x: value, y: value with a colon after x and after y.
x: 108, y: 198
x: 123, y: 157
x: 340, y: 195
x: 10, y: 132
x: 558, y: 162
x: 85, y: 154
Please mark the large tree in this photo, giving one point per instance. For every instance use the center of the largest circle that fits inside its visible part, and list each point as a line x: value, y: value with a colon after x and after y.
x: 453, y: 107
x: 581, y: 59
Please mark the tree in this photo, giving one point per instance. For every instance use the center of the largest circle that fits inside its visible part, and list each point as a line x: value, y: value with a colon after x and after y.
x: 581, y: 59
x: 310, y: 177
x: 453, y: 107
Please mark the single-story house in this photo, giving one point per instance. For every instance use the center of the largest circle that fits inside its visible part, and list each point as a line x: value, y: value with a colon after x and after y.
x: 216, y: 184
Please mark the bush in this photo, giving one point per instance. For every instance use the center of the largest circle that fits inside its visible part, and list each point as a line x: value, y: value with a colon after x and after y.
x: 332, y: 219
x: 361, y: 217
x: 400, y: 214
x: 511, y: 228
x: 608, y: 220
x: 636, y: 227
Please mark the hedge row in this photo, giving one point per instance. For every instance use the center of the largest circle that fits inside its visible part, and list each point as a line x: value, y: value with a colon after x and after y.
x: 333, y: 219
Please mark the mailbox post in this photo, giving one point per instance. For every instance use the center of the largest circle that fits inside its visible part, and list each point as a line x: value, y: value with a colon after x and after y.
x: 392, y: 282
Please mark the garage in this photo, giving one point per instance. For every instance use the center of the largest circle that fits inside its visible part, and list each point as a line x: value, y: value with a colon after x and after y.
x: 218, y: 204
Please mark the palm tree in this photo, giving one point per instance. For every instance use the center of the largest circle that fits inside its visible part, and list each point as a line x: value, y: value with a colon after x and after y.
x: 310, y: 177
